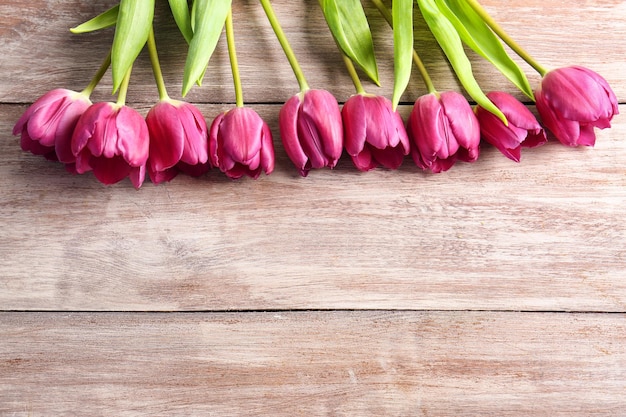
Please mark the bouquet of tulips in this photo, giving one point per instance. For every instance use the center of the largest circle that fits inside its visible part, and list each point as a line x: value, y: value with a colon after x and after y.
x: 114, y: 141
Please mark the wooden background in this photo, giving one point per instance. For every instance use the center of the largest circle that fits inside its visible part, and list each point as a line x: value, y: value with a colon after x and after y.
x: 494, y: 289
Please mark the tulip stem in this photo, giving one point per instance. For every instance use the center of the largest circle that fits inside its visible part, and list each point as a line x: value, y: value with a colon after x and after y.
x: 284, y: 43
x: 156, y: 66
x: 424, y: 73
x: 353, y: 74
x: 384, y: 11
x: 232, y: 54
x: 121, y: 95
x: 96, y: 78
x: 498, y: 30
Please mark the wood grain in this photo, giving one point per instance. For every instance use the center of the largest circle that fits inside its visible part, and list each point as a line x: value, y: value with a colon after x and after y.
x: 36, y: 37
x: 303, y: 364
x: 546, y: 234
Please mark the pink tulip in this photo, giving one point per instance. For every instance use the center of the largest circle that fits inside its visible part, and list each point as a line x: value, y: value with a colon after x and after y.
x: 240, y: 143
x: 113, y: 141
x: 374, y: 133
x: 443, y: 129
x: 46, y: 126
x: 572, y: 101
x: 178, y: 140
x: 311, y: 130
x: 523, y: 129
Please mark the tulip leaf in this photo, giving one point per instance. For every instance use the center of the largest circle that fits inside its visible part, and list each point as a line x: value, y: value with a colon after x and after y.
x: 349, y: 26
x: 134, y: 22
x: 180, y: 11
x: 402, y: 17
x: 102, y: 21
x: 478, y: 36
x: 208, y: 17
x: 450, y: 42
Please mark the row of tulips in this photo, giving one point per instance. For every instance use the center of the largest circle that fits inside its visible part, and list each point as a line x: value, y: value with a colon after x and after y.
x: 115, y: 141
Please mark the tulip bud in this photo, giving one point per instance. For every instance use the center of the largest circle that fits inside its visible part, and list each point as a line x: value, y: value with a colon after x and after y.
x: 572, y: 101
x: 46, y: 126
x: 374, y: 133
x: 443, y: 129
x: 311, y: 130
x: 178, y: 140
x: 240, y: 143
x: 523, y: 129
x: 113, y: 141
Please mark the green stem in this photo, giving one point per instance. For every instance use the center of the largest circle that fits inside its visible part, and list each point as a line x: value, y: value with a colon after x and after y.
x: 156, y: 66
x: 424, y: 73
x: 232, y: 54
x: 121, y: 96
x: 96, y: 78
x: 352, y: 71
x: 384, y: 11
x: 284, y: 43
x: 498, y: 30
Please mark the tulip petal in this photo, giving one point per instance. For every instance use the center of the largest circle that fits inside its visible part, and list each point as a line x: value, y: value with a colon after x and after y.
x: 288, y: 124
x: 587, y: 136
x: 214, y: 134
x: 442, y: 165
x: 389, y: 157
x: 462, y: 121
x: 267, y: 150
x: 166, y: 136
x: 322, y: 107
x: 166, y: 175
x: 378, y: 123
x: 578, y: 95
x: 33, y: 146
x: 137, y: 176
x: 318, y: 122
x: 109, y: 170
x: 566, y: 131
x: 43, y: 122
x: 133, y: 139
x: 195, y: 150
x: 364, y: 161
x: 242, y: 129
x: 354, y: 124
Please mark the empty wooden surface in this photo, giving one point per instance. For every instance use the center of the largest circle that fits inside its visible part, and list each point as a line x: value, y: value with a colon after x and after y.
x: 495, y: 288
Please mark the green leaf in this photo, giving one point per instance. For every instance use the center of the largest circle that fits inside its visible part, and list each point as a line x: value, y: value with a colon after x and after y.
x: 208, y: 21
x: 478, y: 36
x: 103, y: 20
x: 134, y: 21
x: 402, y: 16
x: 348, y: 24
x: 180, y: 11
x: 450, y: 42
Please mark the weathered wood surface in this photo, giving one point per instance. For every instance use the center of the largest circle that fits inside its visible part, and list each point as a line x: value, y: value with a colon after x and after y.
x: 80, y: 262
x: 35, y: 37
x: 546, y: 234
x: 313, y: 363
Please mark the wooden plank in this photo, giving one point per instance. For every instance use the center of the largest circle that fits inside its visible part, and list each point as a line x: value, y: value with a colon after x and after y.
x: 545, y: 234
x: 39, y: 53
x: 313, y: 363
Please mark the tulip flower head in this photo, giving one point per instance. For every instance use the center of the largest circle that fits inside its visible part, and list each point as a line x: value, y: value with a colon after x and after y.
x: 311, y: 130
x: 523, y: 129
x: 240, y: 143
x: 46, y: 126
x: 443, y: 129
x: 113, y: 141
x: 178, y: 140
x: 374, y: 133
x: 572, y: 101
